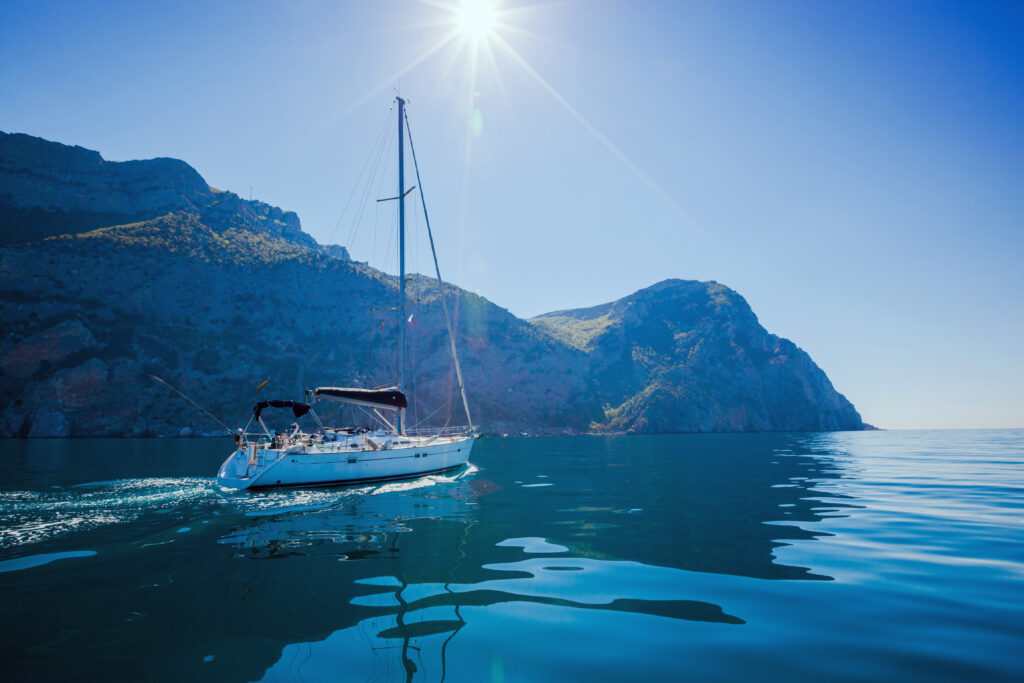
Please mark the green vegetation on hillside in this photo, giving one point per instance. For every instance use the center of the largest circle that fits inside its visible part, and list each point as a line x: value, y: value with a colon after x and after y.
x: 576, y: 332
x: 184, y: 234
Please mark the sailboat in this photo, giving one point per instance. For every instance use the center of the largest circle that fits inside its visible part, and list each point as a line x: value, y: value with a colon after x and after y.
x: 349, y: 455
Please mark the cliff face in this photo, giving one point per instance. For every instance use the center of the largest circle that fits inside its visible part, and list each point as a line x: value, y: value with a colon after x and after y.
x: 113, y: 272
x: 89, y: 318
x: 691, y: 356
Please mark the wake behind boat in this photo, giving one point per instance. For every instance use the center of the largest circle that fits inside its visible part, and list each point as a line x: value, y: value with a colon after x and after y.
x: 326, y: 455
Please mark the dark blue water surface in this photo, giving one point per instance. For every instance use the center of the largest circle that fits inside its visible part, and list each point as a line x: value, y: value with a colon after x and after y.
x: 845, y: 556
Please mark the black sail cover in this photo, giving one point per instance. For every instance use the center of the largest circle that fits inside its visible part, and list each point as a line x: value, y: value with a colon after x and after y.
x: 298, y: 409
x: 392, y: 398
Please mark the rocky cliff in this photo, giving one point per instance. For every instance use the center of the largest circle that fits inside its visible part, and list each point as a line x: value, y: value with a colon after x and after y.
x: 691, y: 356
x: 113, y: 272
x: 47, y: 188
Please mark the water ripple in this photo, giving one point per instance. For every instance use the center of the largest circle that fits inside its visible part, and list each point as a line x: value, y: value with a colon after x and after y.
x: 35, y: 516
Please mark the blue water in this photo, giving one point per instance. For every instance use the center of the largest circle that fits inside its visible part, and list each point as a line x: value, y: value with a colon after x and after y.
x: 844, y: 556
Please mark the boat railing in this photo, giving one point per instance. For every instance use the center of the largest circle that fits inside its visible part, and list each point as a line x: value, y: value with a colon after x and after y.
x: 257, y: 438
x: 461, y: 430
x: 280, y: 440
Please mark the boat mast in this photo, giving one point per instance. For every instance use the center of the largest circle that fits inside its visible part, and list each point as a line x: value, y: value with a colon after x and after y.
x: 401, y: 260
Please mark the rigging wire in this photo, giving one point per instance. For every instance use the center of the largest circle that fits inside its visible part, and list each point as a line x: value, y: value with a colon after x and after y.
x: 377, y: 168
x: 376, y: 220
x: 376, y: 341
x: 182, y: 394
x: 392, y: 228
x: 359, y: 178
x: 416, y: 309
x: 440, y: 282
x: 436, y: 411
x: 372, y: 342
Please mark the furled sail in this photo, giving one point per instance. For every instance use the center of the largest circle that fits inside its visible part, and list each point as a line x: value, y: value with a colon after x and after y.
x: 390, y: 399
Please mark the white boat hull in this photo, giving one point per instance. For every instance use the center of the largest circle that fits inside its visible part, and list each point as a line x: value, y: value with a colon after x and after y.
x: 350, y: 461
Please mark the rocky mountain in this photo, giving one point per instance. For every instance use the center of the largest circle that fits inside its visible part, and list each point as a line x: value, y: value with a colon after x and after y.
x: 51, y: 189
x: 691, y: 356
x: 114, y: 272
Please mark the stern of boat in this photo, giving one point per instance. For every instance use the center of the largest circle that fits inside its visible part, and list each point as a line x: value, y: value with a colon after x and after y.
x: 242, y: 468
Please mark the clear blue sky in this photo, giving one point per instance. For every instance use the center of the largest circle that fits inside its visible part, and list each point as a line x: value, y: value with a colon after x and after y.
x: 855, y: 170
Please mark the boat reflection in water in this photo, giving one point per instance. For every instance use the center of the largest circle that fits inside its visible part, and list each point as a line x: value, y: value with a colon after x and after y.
x: 424, y: 561
x: 370, y: 523
x: 355, y: 522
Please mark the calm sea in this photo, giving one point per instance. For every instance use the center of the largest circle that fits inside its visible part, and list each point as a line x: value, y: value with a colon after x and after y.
x: 843, y: 556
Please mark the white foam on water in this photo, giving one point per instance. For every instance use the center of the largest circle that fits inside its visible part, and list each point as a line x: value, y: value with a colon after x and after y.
x: 34, y: 516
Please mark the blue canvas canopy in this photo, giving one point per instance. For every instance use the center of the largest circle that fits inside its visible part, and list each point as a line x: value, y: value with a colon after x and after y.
x: 298, y: 409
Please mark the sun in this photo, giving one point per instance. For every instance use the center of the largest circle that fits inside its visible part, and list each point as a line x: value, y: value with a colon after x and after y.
x: 476, y: 19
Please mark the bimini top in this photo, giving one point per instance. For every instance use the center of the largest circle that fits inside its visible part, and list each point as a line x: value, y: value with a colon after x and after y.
x: 392, y: 399
x: 298, y: 409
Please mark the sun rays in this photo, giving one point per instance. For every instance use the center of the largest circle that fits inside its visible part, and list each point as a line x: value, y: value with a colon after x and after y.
x: 601, y: 137
x: 479, y: 25
x: 475, y: 33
